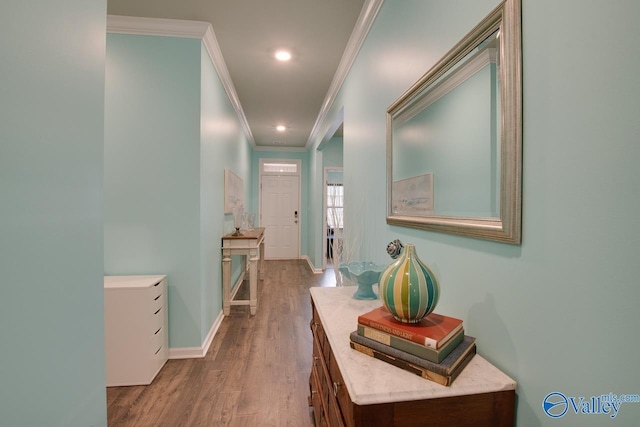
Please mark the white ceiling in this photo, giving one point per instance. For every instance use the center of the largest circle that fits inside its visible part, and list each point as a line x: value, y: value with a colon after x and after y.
x: 249, y: 32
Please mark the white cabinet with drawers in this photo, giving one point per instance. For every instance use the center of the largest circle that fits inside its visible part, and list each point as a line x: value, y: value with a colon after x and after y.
x: 136, y: 323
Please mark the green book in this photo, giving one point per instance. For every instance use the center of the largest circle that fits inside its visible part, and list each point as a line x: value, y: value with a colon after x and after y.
x: 446, y: 367
x: 445, y: 379
x: 424, y: 352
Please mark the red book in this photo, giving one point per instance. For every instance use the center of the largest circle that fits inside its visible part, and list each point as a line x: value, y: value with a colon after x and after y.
x: 433, y: 331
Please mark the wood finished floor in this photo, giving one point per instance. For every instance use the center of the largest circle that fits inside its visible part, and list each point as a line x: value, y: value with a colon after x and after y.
x: 256, y: 372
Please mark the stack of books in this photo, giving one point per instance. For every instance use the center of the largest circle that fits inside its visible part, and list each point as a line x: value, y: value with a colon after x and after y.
x: 435, y: 348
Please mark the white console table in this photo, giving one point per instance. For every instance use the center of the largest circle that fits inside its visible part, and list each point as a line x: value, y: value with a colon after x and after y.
x: 249, y: 243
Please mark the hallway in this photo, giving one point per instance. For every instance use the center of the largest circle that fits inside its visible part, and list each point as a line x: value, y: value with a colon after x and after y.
x: 255, y: 373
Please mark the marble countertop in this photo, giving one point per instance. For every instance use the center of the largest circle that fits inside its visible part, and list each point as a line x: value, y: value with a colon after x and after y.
x: 370, y: 381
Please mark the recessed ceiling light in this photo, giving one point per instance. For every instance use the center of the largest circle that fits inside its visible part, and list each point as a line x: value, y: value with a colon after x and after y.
x: 281, y: 128
x: 283, y: 55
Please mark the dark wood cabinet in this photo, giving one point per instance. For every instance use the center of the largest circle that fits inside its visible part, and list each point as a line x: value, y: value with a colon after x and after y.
x: 481, y: 396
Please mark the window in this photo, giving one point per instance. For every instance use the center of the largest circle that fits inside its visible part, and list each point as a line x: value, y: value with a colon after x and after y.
x: 280, y: 168
x: 335, y: 203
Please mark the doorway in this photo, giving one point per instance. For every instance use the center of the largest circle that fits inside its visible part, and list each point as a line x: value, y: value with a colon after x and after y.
x: 280, y: 213
x: 333, y: 208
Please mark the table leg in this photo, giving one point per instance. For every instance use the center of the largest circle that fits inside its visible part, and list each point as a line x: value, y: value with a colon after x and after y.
x: 253, y: 281
x: 261, y: 262
x: 226, y: 282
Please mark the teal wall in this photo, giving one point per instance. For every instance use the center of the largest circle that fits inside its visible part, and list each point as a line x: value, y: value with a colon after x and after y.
x: 51, y: 138
x: 170, y: 132
x: 152, y: 170
x: 315, y: 230
x: 223, y: 145
x: 334, y: 176
x: 332, y: 152
x: 558, y: 313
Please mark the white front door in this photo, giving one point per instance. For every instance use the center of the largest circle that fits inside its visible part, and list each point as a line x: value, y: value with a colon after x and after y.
x: 280, y: 215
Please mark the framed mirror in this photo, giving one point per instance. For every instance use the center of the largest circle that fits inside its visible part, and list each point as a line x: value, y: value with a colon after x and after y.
x: 454, y: 139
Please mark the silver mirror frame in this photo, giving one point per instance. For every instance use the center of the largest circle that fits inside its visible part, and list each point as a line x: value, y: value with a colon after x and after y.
x: 508, y: 227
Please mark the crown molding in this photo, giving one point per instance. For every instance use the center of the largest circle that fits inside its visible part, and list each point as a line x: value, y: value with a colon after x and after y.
x: 188, y: 29
x: 358, y: 35
x: 213, y: 49
x: 285, y: 148
x: 117, y: 24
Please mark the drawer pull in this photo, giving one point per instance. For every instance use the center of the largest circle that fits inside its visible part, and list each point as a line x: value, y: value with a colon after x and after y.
x: 157, y: 284
x: 336, y: 386
x: 158, y: 350
x: 158, y: 311
x: 157, y: 298
x: 156, y: 333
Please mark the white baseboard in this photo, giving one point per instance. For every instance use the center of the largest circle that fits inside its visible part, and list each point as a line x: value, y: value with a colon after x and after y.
x: 197, y: 352
x: 311, y: 266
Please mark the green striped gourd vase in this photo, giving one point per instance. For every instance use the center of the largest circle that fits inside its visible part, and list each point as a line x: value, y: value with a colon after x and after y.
x: 408, y: 288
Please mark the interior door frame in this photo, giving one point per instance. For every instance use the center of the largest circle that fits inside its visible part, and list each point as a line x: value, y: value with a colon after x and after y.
x: 325, y: 181
x: 298, y: 174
